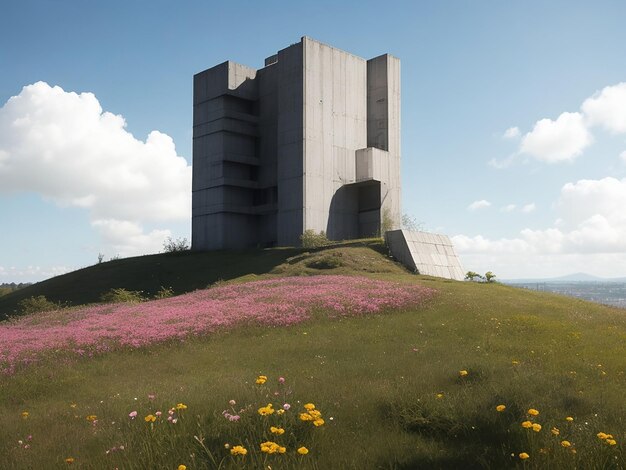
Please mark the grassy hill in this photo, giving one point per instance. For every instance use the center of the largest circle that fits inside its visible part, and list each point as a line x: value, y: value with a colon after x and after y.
x: 406, y: 388
x: 182, y: 272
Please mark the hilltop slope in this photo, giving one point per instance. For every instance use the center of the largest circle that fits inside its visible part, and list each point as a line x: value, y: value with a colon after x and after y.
x: 188, y: 271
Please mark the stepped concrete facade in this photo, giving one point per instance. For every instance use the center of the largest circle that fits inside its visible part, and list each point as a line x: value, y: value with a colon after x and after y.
x: 311, y: 141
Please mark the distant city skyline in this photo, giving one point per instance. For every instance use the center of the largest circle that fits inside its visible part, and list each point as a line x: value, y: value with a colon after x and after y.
x: 513, y: 123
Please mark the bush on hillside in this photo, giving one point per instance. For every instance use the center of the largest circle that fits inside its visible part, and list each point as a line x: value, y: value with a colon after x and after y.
x: 37, y: 304
x: 175, y: 246
x: 122, y: 295
x: 164, y: 293
x: 490, y: 277
x: 310, y: 239
x: 326, y: 262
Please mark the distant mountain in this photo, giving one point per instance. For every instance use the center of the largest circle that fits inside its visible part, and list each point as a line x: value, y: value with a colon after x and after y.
x: 576, y: 277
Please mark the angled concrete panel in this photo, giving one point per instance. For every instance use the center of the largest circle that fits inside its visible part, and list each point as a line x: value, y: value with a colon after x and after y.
x: 426, y: 253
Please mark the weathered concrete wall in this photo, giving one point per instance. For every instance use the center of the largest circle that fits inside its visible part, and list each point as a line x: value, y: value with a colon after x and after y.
x: 335, y: 126
x: 427, y: 253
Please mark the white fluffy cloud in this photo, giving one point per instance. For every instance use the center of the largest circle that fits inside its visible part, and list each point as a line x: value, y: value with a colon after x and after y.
x: 476, y: 205
x: 569, y: 135
x: 591, y: 229
x: 62, y: 146
x: 511, y: 133
x: 607, y: 108
x: 508, y: 208
x: 556, y: 141
x: 528, y: 208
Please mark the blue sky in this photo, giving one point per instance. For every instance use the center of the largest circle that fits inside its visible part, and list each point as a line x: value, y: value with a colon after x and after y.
x: 513, y: 122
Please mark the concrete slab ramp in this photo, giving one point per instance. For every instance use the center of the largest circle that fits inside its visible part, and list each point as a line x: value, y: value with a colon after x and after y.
x: 427, y: 253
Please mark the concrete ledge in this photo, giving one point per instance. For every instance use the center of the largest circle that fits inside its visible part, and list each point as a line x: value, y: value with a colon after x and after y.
x: 427, y: 253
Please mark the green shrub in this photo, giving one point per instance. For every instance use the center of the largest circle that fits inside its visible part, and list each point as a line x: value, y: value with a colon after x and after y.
x: 122, y: 295
x: 164, y: 293
x: 37, y: 304
x: 310, y: 239
x: 175, y: 246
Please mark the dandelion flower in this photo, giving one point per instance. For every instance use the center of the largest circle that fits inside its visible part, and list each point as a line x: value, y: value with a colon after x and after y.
x: 91, y: 418
x: 527, y: 424
x: 25, y: 414
x: 69, y: 460
x: 303, y: 451
x: 182, y: 467
x: 500, y: 407
x: 238, y: 450
x: 261, y: 379
x: 533, y: 412
x: 536, y: 427
x: 275, y: 430
x: 181, y: 406
x: 566, y: 444
x: 266, y: 410
x: 524, y: 456
x: 306, y: 417
x: 309, y: 406
x: 569, y: 418
x: 280, y: 411
x: 611, y: 442
x: 555, y: 431
x: 601, y: 435
x: 318, y: 422
x: 462, y: 373
x: 150, y: 418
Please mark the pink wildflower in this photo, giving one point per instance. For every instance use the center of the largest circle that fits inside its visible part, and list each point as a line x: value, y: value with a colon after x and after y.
x: 132, y: 414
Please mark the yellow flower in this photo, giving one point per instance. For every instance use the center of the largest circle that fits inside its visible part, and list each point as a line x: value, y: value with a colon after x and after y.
x: 303, y: 451
x: 261, y: 379
x: 439, y: 395
x: 306, y: 417
x: 524, y: 456
x: 533, y: 412
x: 566, y: 443
x: 601, y: 435
x: 536, y: 427
x: 318, y: 422
x: 462, y: 373
x: 611, y: 442
x: 309, y: 406
x: 150, y: 419
x: 25, y: 414
x: 555, y: 431
x: 280, y: 411
x: 182, y: 467
x: 238, y: 450
x: 275, y: 430
x: 73, y: 405
x: 266, y: 410
x: 270, y: 447
x: 527, y: 424
x: 181, y: 406
x: 315, y: 414
x: 569, y: 418
x: 69, y: 460
x: 515, y: 362
x: 500, y: 407
x: 282, y: 450
x: 91, y: 418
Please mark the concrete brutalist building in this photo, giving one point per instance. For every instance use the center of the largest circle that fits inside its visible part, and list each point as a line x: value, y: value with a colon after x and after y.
x: 310, y: 141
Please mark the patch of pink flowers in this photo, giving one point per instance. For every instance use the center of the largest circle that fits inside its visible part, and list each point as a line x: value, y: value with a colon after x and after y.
x: 274, y: 302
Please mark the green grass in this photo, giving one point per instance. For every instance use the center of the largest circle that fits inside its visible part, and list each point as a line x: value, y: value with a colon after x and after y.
x: 390, y: 382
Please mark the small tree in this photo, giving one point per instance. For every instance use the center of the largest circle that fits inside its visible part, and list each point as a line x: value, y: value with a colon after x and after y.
x: 100, y: 258
x: 472, y: 276
x: 37, y: 304
x: 490, y: 277
x: 410, y: 223
x: 175, y: 246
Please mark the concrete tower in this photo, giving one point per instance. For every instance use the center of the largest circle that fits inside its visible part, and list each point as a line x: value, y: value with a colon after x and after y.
x: 310, y: 141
